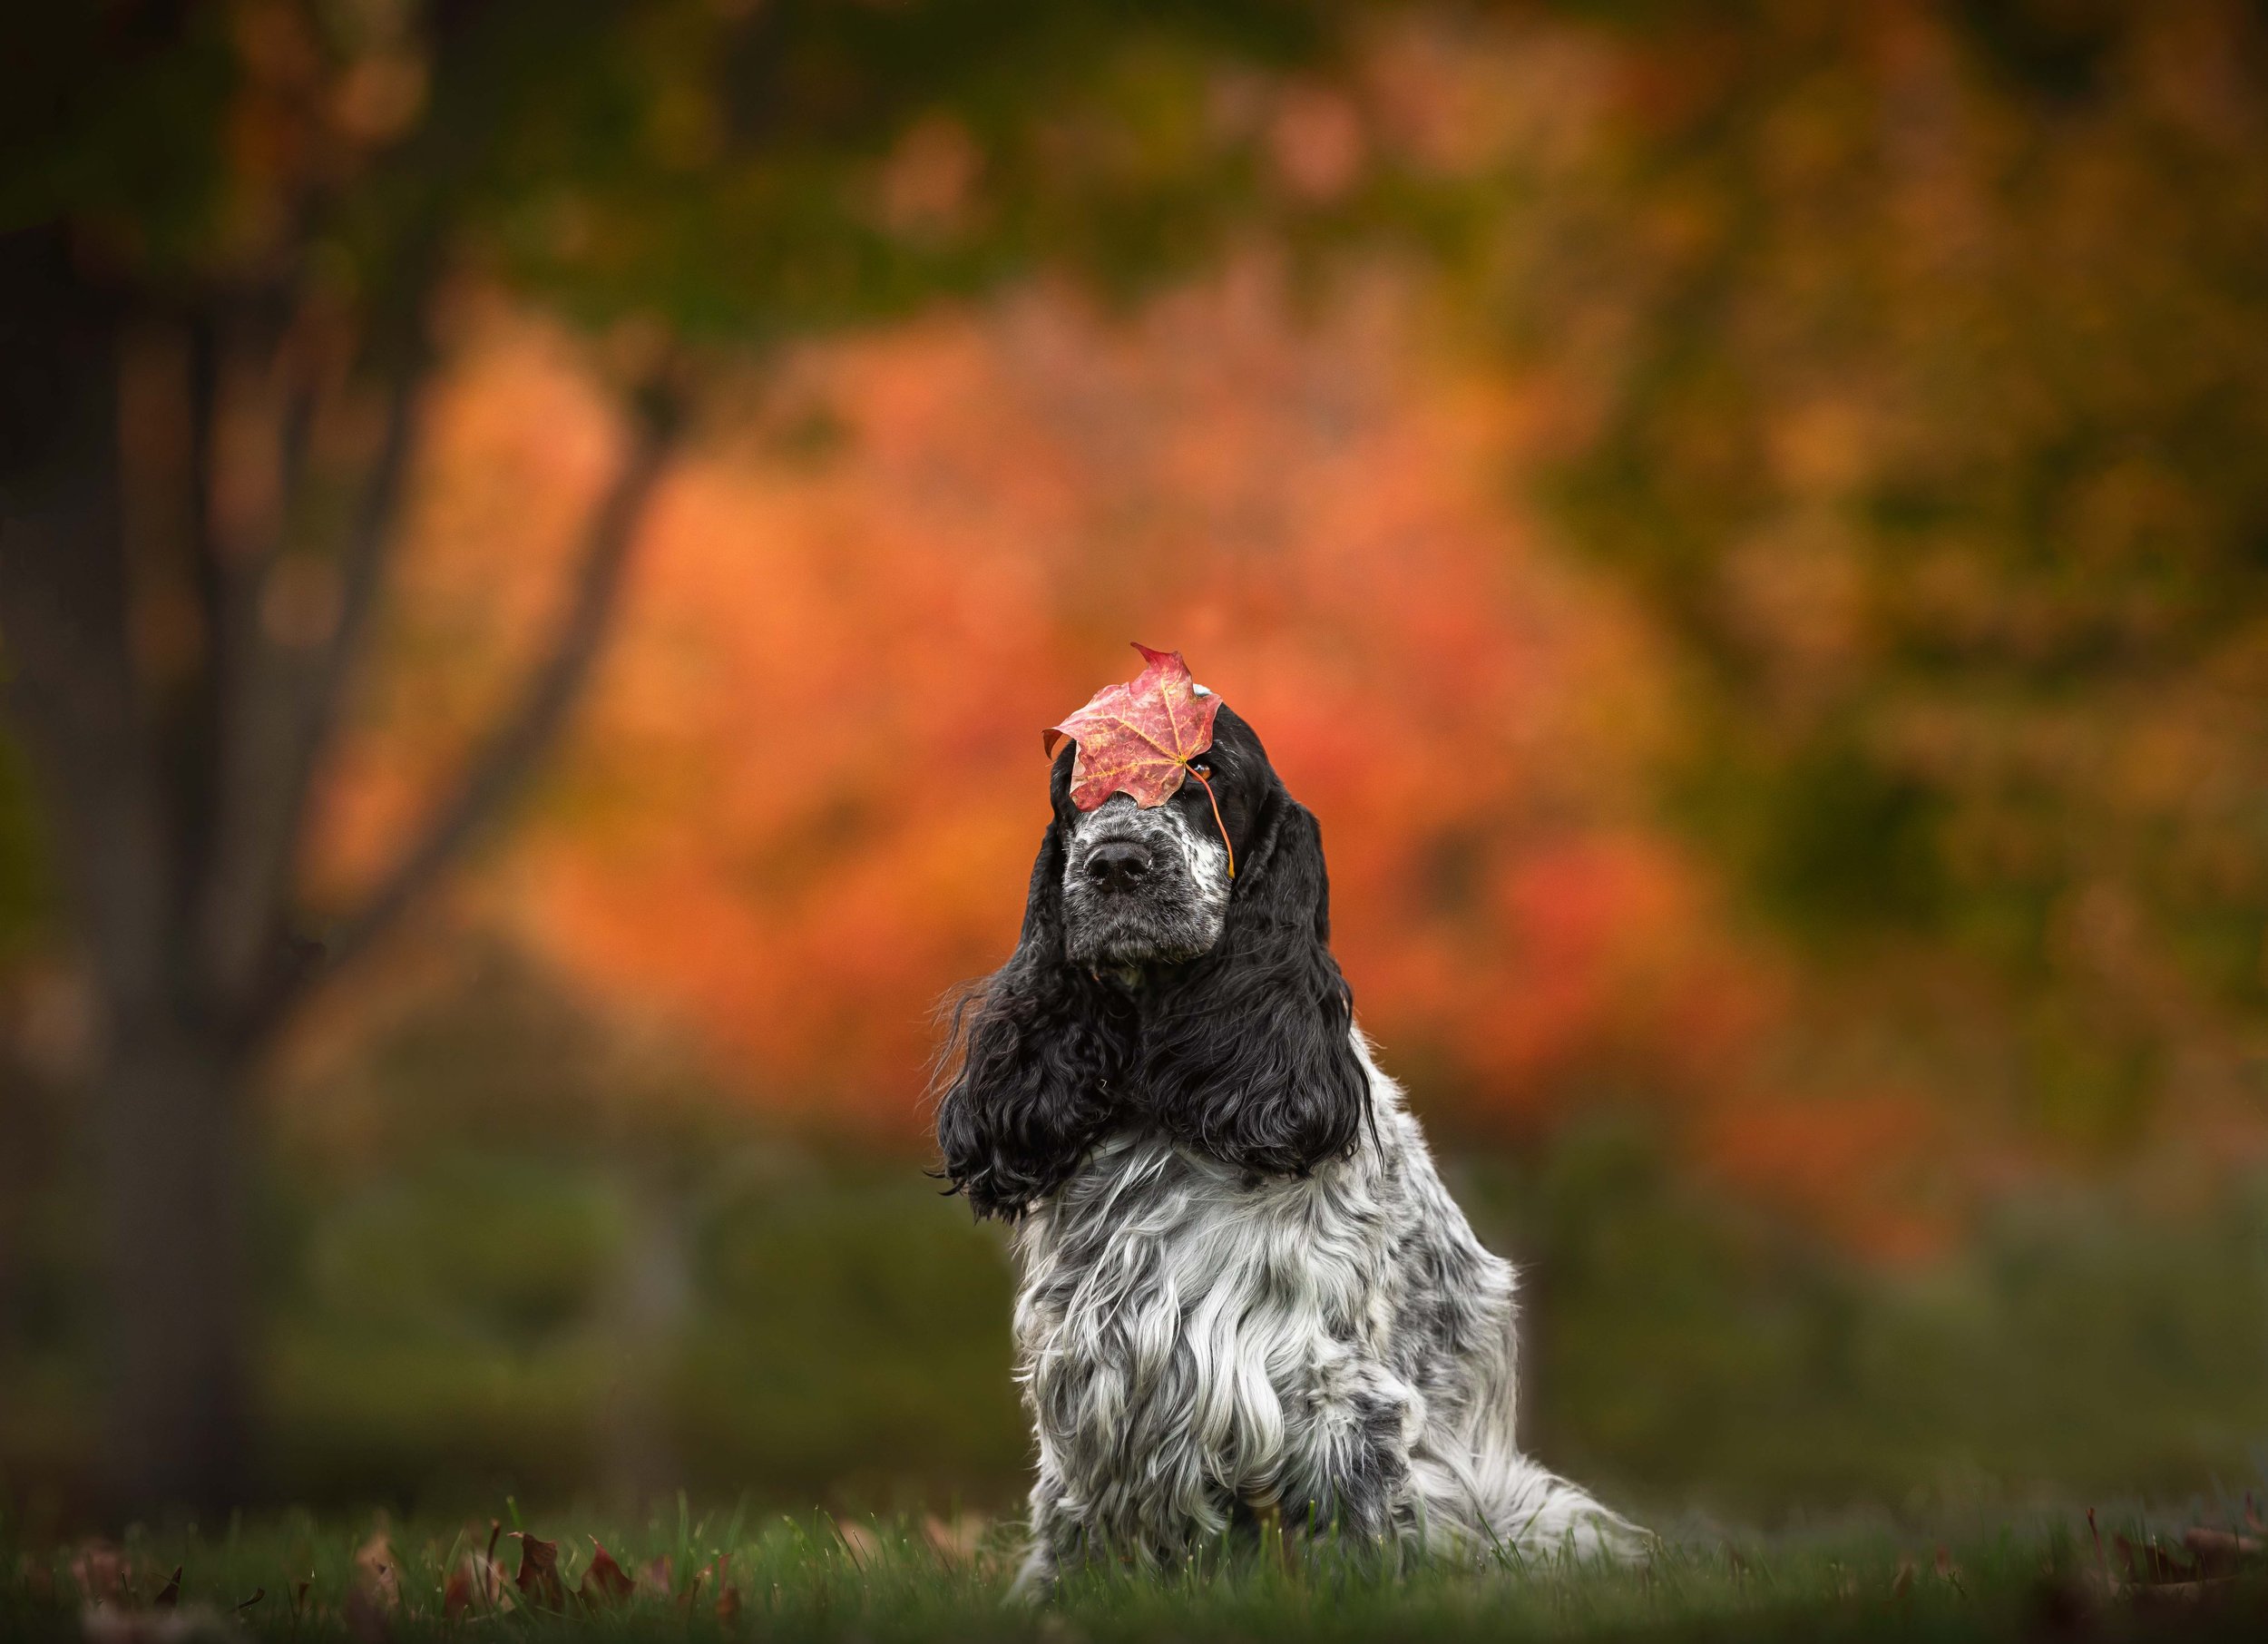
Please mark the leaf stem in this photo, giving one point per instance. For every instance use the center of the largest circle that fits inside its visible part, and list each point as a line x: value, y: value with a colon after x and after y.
x: 1225, y: 846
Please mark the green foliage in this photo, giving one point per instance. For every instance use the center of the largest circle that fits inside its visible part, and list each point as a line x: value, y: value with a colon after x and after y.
x: 838, y: 1336
x: 746, y: 173
x: 510, y: 1249
x: 848, y: 1348
x: 113, y: 110
x: 1705, y: 1354
x: 438, y: 1331
x: 1928, y: 422
x: 1825, y: 840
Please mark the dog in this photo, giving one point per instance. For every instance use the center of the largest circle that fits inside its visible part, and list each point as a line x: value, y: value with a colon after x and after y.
x: 1245, y: 1297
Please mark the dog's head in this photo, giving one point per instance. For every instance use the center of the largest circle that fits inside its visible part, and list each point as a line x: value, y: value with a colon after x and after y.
x: 1146, y: 886
x: 1151, y: 988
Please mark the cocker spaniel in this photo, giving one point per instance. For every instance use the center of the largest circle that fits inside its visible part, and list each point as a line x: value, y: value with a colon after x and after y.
x: 1244, y: 1295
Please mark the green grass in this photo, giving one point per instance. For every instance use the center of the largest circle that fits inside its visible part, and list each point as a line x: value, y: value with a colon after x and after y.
x: 885, y: 1579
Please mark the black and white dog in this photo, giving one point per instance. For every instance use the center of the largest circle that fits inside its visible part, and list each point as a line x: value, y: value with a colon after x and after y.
x: 1245, y: 1294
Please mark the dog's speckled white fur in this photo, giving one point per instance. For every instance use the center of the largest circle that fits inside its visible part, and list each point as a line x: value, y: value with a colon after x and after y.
x: 1199, y: 1345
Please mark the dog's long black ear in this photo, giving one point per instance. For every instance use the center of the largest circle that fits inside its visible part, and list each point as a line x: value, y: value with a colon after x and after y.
x: 1038, y: 1043
x: 1250, y: 1056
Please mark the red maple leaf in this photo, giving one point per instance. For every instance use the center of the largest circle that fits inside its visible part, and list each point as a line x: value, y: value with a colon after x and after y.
x: 1141, y: 738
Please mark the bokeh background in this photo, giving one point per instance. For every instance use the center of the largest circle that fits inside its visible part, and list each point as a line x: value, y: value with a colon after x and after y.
x: 1747, y: 522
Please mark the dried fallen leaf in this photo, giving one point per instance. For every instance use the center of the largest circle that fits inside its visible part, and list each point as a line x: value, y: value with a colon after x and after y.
x: 728, y: 1595
x: 538, y: 1579
x: 112, y: 1623
x: 376, y: 1576
x: 2157, y: 1575
x: 1141, y: 738
x: 2177, y: 1592
x: 2151, y: 1565
x: 478, y: 1583
x: 657, y: 1577
x: 2221, y: 1552
x: 605, y: 1584
x: 169, y: 1595
x: 101, y: 1570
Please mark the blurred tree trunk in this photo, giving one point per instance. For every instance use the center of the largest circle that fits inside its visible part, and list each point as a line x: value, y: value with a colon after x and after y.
x: 646, y: 1314
x: 26, y: 1116
x: 170, y: 1113
x: 164, y: 1100
x: 177, y: 733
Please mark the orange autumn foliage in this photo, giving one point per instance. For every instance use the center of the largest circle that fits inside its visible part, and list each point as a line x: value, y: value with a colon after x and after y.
x: 802, y: 803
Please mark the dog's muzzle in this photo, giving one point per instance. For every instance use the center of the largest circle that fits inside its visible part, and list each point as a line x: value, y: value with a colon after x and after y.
x: 1140, y: 887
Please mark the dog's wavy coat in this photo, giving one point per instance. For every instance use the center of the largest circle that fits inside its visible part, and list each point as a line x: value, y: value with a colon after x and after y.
x: 1244, y: 1291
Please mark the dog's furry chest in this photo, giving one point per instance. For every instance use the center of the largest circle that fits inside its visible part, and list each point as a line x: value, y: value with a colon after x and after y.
x: 1191, y: 1339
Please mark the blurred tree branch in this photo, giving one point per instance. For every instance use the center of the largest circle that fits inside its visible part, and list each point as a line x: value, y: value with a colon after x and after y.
x: 517, y: 742
x: 290, y: 698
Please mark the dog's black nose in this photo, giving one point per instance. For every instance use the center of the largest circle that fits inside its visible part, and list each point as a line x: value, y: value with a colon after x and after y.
x: 1119, y: 863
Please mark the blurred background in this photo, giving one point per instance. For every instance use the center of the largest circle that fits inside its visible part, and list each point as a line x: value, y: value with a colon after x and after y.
x: 540, y: 536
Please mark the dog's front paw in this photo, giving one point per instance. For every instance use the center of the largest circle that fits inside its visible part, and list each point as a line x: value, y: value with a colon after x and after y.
x: 1036, y: 1581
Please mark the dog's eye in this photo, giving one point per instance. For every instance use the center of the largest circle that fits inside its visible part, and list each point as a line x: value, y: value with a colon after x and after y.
x: 1204, y: 768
